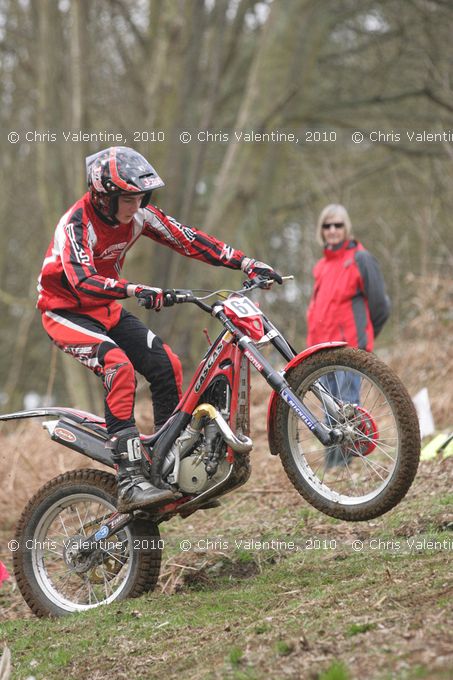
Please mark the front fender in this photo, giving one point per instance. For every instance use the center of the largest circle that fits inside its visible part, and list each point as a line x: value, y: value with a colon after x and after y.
x: 298, y: 359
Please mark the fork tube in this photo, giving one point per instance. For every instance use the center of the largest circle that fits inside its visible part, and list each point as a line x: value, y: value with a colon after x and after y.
x: 279, y: 342
x: 280, y: 385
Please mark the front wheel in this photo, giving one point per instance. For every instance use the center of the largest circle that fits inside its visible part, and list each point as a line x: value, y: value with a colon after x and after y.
x: 61, y: 515
x: 372, y: 468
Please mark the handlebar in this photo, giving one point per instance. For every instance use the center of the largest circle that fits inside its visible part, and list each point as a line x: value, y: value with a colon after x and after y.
x: 181, y: 295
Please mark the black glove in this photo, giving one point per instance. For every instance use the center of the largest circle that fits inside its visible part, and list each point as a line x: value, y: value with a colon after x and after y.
x: 155, y: 298
x: 151, y: 298
x: 255, y: 268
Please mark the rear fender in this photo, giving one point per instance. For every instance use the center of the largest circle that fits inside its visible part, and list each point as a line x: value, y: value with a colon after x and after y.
x: 298, y: 359
x: 59, y: 411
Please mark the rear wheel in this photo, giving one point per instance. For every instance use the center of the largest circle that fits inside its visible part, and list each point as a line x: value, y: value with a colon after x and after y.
x: 372, y: 468
x: 57, y: 519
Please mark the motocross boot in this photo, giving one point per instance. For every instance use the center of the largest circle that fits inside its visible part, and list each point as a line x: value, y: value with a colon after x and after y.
x: 134, y: 490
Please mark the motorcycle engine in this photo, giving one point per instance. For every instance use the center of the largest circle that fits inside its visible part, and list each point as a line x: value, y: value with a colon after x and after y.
x: 206, y: 466
x: 193, y: 478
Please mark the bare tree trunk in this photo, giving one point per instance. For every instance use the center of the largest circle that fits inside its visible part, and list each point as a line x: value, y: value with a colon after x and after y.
x: 15, y: 373
x: 224, y: 189
x: 83, y: 390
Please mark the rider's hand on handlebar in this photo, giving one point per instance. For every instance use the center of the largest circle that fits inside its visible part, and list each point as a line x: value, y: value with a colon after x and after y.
x: 255, y: 268
x: 154, y: 298
x: 150, y: 298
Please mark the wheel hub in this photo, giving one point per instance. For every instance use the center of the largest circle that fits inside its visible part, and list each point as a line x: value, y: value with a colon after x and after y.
x: 360, y: 431
x: 78, y: 561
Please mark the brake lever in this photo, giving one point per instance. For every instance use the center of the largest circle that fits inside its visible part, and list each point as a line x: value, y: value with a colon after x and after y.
x: 263, y: 282
x: 249, y: 284
x: 257, y: 282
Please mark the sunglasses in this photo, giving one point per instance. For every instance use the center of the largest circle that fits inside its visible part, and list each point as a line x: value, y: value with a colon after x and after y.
x: 337, y: 225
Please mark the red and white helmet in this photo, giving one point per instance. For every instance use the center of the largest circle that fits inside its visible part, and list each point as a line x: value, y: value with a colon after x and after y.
x: 119, y: 170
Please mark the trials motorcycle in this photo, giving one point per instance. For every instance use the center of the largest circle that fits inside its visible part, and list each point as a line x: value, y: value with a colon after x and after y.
x: 353, y: 458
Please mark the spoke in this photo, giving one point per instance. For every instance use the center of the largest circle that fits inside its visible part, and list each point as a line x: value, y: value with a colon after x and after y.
x: 113, y: 574
x: 114, y: 558
x: 320, y: 456
x: 91, y: 590
x: 335, y: 375
x: 86, y: 513
x: 100, y: 519
x: 68, y: 576
x: 58, y: 533
x: 54, y: 552
x: 58, y: 575
x: 373, y: 407
x: 325, y: 409
x: 363, y: 401
x: 345, y: 458
x: 372, y: 415
x: 80, y: 521
x: 120, y: 554
x: 59, y: 580
x: 379, y: 446
x: 373, y: 467
x: 378, y: 432
x: 75, y: 592
x: 63, y: 525
x: 107, y: 585
x: 56, y: 543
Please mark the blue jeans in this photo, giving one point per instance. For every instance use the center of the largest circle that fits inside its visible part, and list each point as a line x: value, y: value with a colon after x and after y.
x: 343, y: 385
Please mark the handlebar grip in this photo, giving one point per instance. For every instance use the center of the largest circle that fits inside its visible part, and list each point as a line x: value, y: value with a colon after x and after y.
x: 173, y: 296
x: 169, y: 296
x: 182, y: 295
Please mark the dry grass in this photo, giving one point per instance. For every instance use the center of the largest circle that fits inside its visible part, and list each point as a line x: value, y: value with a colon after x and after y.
x: 28, y: 459
x: 423, y: 357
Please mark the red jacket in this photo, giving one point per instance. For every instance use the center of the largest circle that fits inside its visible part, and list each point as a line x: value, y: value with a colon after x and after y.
x: 82, y: 267
x: 349, y: 302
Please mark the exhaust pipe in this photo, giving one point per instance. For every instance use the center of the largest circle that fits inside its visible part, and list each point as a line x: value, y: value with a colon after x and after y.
x: 240, y: 444
x: 190, y: 435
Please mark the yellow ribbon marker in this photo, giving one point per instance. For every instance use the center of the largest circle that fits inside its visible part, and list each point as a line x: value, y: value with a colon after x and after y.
x: 431, y: 449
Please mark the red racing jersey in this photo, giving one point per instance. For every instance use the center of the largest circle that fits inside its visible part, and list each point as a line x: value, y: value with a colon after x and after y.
x: 82, y: 267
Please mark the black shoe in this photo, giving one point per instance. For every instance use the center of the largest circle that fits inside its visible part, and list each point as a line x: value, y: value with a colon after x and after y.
x: 134, y: 490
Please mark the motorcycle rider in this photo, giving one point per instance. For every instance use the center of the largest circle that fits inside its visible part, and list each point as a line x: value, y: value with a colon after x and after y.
x: 79, y: 288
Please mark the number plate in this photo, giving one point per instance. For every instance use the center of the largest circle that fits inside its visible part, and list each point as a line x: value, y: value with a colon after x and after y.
x: 242, y: 307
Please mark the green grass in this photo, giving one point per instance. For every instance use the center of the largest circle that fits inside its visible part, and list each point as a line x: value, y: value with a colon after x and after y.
x: 259, y: 615
x: 284, y: 648
x: 357, y: 628
x: 337, y: 671
x: 237, y: 616
x: 235, y: 656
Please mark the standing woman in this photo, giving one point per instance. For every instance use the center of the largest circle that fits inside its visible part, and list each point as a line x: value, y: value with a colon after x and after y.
x: 349, y: 301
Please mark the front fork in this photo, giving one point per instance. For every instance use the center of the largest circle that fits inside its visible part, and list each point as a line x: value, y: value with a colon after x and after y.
x: 327, y: 436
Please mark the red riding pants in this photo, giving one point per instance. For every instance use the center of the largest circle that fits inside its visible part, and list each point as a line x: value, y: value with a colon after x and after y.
x: 115, y: 352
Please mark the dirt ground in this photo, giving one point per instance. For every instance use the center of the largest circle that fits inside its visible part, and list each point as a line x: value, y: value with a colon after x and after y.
x: 28, y: 459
